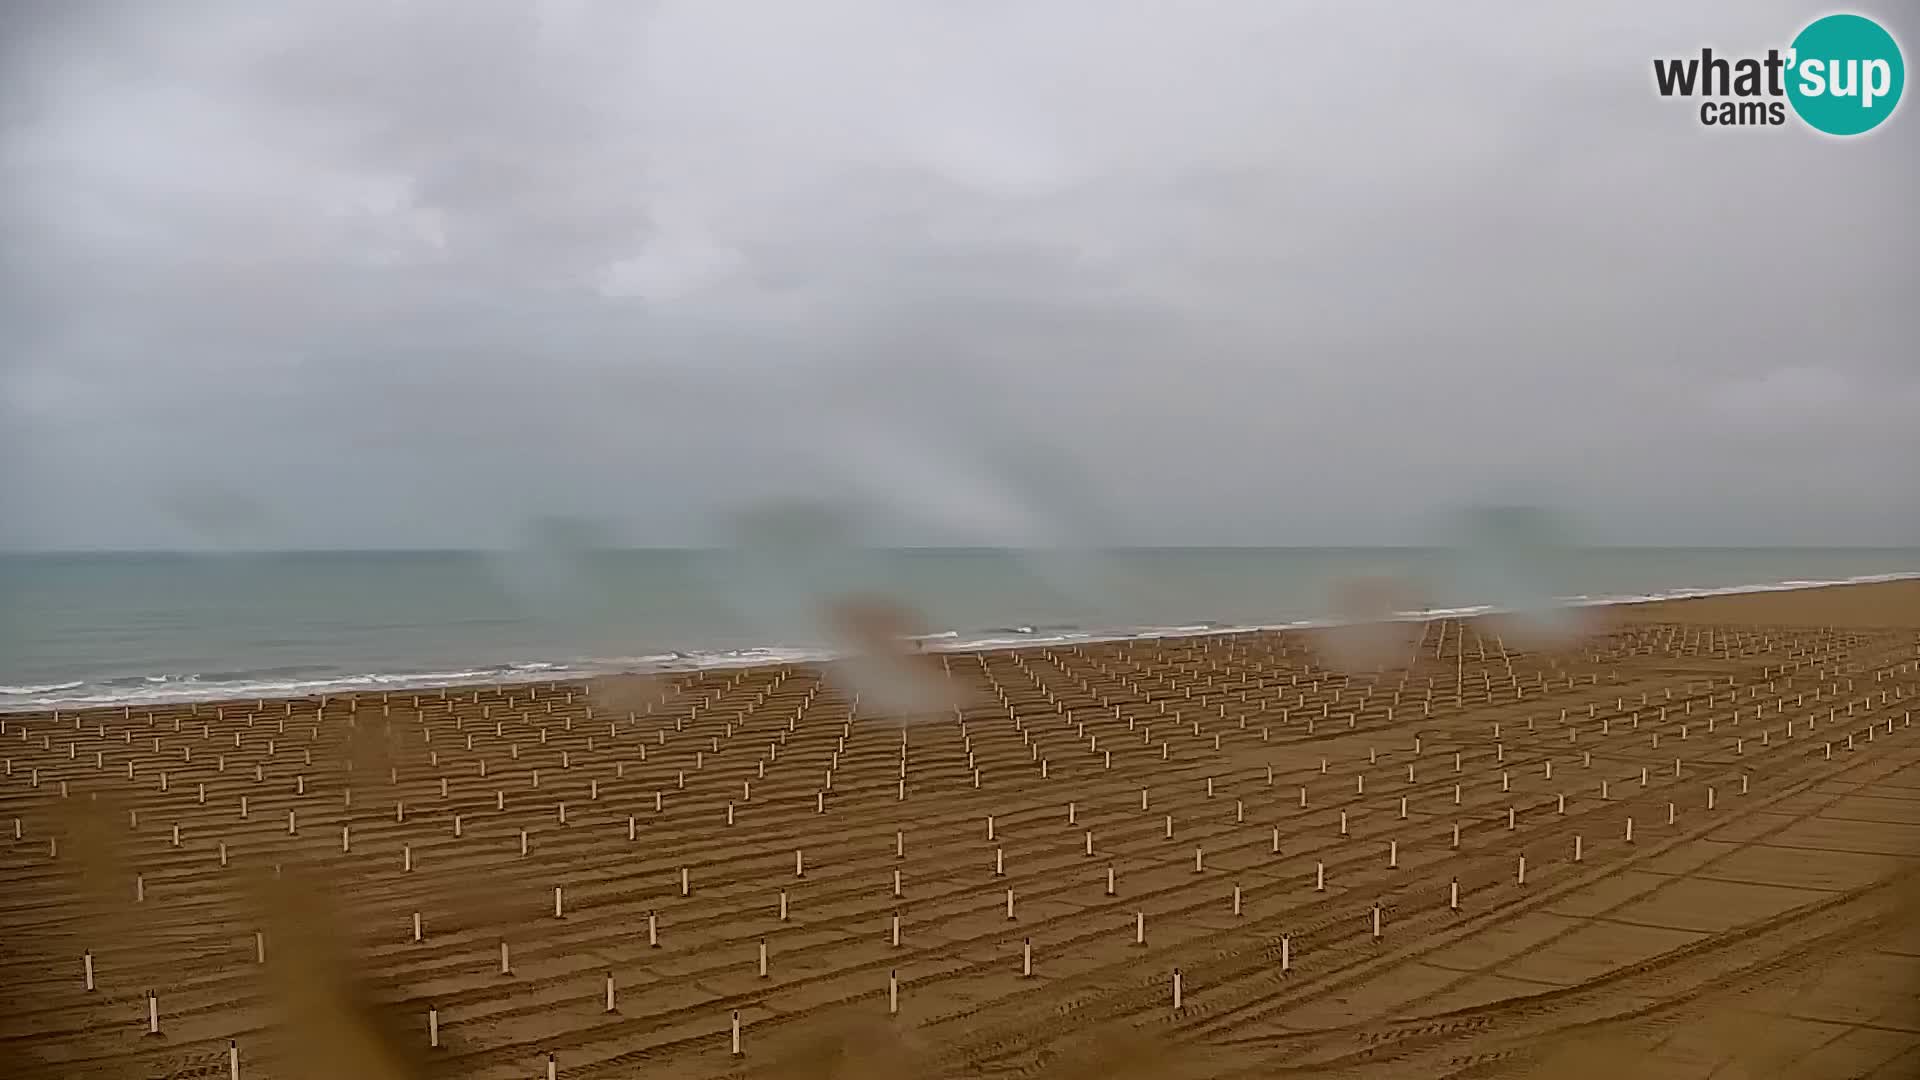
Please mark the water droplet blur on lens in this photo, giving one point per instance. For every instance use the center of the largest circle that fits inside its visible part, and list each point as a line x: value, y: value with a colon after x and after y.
x: 1520, y: 560
x: 1370, y: 631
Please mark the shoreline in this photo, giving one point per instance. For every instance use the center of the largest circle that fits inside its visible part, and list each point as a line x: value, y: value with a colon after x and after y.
x: 173, y: 691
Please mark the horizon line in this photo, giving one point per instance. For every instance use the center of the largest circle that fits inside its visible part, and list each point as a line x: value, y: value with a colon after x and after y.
x: 953, y: 548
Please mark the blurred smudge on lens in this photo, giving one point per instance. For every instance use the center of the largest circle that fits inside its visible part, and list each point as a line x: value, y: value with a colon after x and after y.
x: 549, y: 572
x: 950, y: 459
x: 873, y: 623
x: 823, y: 570
x: 884, y: 656
x: 1371, y: 629
x: 799, y: 574
x: 1519, y: 560
x: 621, y: 696
x: 333, y: 1020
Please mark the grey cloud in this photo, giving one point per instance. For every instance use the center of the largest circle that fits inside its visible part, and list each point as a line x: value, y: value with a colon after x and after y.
x: 414, y: 274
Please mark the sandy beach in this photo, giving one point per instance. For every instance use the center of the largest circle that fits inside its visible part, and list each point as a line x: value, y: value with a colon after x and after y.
x: 1681, y: 846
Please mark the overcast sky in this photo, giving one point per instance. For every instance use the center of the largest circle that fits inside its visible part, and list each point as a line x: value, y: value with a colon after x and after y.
x: 357, y: 273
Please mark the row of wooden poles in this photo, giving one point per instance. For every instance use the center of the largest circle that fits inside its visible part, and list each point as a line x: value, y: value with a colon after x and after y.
x: 653, y: 939
x: 1374, y: 916
x: 893, y: 992
x: 1177, y: 989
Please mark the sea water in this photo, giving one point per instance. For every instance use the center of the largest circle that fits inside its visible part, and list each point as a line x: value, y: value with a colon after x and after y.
x: 108, y: 628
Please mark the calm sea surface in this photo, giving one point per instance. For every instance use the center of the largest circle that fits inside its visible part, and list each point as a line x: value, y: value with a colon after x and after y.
x: 112, y: 627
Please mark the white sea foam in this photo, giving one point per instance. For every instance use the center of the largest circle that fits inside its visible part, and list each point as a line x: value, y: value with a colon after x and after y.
x: 45, y: 688
x: 174, y: 687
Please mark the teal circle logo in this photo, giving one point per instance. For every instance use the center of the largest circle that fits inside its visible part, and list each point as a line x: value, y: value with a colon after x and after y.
x: 1845, y: 74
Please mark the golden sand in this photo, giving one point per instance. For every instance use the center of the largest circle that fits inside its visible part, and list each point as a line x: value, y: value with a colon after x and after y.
x: 1759, y: 923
